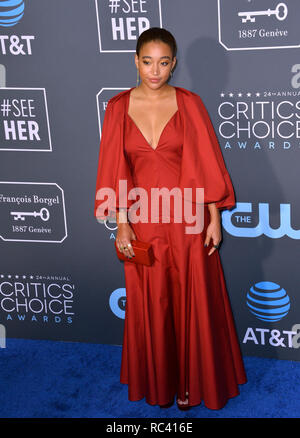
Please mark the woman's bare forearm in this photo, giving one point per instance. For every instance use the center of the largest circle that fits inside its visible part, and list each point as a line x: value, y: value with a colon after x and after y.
x: 122, y: 217
x: 214, y: 212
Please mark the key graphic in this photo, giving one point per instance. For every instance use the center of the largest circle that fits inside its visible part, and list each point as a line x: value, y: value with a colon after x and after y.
x: 250, y: 16
x: 43, y: 213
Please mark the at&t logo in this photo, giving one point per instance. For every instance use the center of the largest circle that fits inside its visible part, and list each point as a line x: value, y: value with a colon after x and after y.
x: 268, y: 301
x: 11, y: 12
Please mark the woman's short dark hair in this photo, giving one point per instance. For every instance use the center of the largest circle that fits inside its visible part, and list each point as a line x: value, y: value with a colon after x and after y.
x: 156, y: 34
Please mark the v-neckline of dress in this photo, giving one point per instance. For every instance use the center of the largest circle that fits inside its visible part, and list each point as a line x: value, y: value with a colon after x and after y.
x: 164, y: 128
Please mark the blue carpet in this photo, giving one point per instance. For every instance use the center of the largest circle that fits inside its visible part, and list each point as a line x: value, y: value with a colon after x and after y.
x: 48, y: 379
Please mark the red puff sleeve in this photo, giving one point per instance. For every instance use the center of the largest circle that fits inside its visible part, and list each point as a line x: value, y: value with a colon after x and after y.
x: 227, y: 199
x: 112, y: 166
x: 202, y: 161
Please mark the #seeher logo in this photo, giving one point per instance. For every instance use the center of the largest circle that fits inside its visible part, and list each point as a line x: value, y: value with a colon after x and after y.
x: 11, y: 12
x: 268, y: 301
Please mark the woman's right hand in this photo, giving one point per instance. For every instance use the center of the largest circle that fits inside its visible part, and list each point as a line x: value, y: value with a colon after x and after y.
x: 124, y: 236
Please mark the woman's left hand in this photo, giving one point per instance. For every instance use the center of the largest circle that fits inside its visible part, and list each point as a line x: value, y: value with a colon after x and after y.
x: 213, y: 233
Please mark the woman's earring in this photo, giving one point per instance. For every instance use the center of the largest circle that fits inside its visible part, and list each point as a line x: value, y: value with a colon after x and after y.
x: 137, y: 77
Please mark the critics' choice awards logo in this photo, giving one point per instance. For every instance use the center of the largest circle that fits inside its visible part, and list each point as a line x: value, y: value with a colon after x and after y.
x: 37, y: 298
x: 24, y: 120
x: 258, y: 24
x: 120, y: 22
x: 268, y: 120
x: 11, y: 12
x: 32, y: 212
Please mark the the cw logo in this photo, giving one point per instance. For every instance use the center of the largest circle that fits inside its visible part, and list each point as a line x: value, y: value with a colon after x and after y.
x: 263, y: 226
x: 117, y: 302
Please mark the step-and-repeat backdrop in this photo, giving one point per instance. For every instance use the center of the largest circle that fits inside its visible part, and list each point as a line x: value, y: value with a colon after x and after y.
x: 61, y: 61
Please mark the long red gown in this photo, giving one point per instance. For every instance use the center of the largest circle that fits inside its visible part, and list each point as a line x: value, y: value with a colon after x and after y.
x: 179, y: 333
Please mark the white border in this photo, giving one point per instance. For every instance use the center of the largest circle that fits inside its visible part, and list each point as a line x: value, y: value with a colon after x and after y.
x: 64, y: 212
x: 245, y: 48
x: 47, y: 118
x: 99, y: 34
x: 97, y: 102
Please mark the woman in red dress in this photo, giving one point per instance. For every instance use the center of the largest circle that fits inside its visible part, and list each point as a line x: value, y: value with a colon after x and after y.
x: 179, y: 334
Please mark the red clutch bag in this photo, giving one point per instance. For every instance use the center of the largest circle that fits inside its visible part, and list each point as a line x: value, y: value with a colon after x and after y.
x: 143, y: 253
